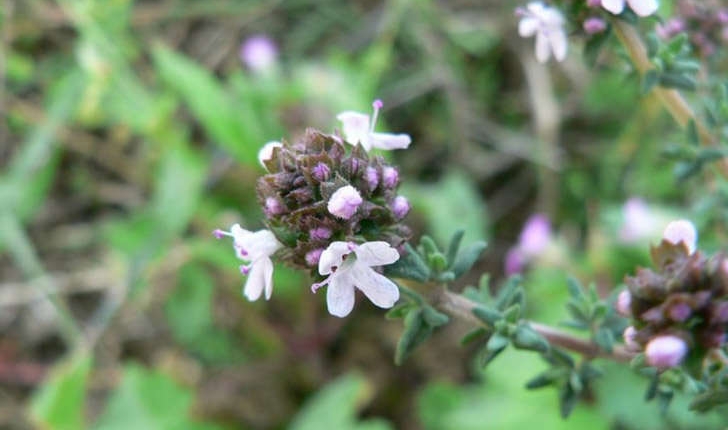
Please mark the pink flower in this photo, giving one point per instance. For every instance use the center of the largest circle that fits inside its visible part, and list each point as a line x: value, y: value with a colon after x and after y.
x: 344, y: 202
x: 256, y: 248
x: 665, y: 351
x: 594, y: 25
x: 358, y: 128
x: 533, y: 241
x: 682, y: 231
x: 640, y: 7
x: 629, y: 339
x: 547, y: 24
x: 348, y: 267
x: 624, y: 303
x: 400, y: 207
x: 259, y: 53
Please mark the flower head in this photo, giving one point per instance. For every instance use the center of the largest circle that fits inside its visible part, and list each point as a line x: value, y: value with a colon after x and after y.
x: 358, y: 128
x: 640, y: 7
x: 348, y: 267
x: 259, y: 53
x: 256, y: 248
x: 344, y: 202
x: 533, y: 241
x: 665, y: 351
x: 681, y: 231
x: 547, y: 24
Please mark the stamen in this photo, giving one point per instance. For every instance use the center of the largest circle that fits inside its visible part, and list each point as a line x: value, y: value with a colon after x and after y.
x: 219, y: 233
x: 318, y: 285
x: 376, y: 105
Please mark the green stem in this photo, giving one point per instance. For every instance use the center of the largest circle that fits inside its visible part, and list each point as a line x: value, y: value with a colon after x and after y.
x: 461, y: 307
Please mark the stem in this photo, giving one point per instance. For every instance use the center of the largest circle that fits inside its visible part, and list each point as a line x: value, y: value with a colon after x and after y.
x: 673, y: 101
x: 462, y: 307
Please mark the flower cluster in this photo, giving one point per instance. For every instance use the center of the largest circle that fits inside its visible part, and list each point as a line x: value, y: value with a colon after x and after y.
x: 331, y: 208
x: 548, y: 25
x: 680, y: 308
x: 705, y: 22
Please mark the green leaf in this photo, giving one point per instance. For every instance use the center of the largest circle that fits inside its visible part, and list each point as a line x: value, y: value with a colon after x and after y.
x: 513, y: 313
x: 545, y: 379
x: 466, y: 258
x: 576, y: 291
x: 336, y: 405
x: 410, y: 266
x: 488, y: 315
x: 508, y: 292
x: 234, y: 127
x: 649, y: 80
x: 178, y: 189
x: 692, y: 131
x: 433, y: 318
x: 604, y: 338
x: 527, y: 338
x: 416, y: 331
x: 497, y: 342
x: 708, y: 400
x: 454, y: 246
x: 473, y: 335
x: 59, y: 403
x: 680, y: 81
x: 567, y: 400
x: 147, y: 400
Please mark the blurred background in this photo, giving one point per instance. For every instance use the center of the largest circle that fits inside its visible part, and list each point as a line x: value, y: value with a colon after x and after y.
x: 130, y: 131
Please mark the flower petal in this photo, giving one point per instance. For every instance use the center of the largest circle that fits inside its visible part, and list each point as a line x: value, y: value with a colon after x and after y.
x: 340, y: 293
x: 559, y: 44
x: 380, y: 290
x: 262, y: 243
x: 614, y: 6
x: 266, y: 152
x: 333, y: 256
x: 527, y: 26
x: 255, y: 283
x: 643, y: 7
x: 355, y: 128
x: 682, y: 231
x: 390, y: 141
x: 376, y: 253
x: 543, y: 50
x: 267, y: 268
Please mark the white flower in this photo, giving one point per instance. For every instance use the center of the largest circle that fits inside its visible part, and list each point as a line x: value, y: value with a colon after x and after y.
x: 266, y: 152
x: 681, y: 231
x: 547, y: 24
x: 358, y: 128
x: 344, y: 202
x: 640, y: 7
x: 349, y: 266
x: 256, y: 248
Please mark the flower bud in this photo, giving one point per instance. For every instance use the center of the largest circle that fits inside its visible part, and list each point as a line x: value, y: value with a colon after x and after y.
x: 400, y: 207
x: 624, y: 303
x: 313, y: 257
x: 390, y: 177
x: 594, y: 3
x: 681, y: 231
x: 344, y: 202
x: 680, y: 312
x: 321, y: 172
x: 372, y: 177
x: 515, y: 261
x: 273, y: 206
x: 665, y: 351
x: 629, y: 336
x: 594, y: 25
x: 320, y: 233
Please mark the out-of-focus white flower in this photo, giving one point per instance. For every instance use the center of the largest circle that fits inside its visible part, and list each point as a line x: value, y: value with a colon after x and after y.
x: 547, y: 24
x: 639, y: 222
x: 349, y: 267
x: 344, y: 202
x: 640, y: 7
x: 358, y: 128
x: 665, y: 351
x: 259, y: 53
x: 256, y: 248
x: 266, y: 152
x: 682, y: 231
x: 629, y: 339
x: 624, y: 303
